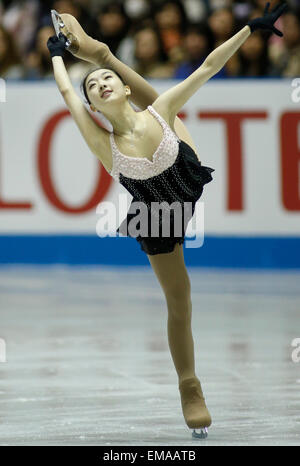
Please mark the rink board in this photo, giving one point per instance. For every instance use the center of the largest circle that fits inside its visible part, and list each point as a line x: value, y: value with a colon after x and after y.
x: 229, y: 252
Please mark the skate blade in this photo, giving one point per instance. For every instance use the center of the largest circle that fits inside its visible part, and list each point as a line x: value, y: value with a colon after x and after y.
x: 203, y: 433
x: 58, y: 24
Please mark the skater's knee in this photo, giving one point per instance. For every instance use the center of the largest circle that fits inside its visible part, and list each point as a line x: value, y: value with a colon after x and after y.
x: 180, y: 306
x: 178, y: 292
x: 180, y: 312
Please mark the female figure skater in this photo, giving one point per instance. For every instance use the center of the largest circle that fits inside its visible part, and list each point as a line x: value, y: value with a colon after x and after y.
x: 161, y: 164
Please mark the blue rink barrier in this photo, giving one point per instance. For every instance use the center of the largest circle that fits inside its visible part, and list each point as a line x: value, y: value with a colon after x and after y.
x: 225, y: 252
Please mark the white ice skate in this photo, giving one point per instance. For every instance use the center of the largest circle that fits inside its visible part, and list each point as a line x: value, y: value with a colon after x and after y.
x: 58, y: 25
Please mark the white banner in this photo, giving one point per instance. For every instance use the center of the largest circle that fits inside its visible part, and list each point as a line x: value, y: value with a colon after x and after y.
x: 247, y: 130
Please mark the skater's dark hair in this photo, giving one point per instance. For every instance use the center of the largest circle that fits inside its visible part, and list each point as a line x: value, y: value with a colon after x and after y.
x: 83, y: 82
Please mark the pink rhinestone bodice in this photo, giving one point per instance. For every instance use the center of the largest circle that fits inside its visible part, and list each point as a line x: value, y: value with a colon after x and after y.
x: 140, y: 168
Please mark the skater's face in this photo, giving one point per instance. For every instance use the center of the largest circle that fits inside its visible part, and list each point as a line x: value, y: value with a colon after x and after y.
x: 105, y: 89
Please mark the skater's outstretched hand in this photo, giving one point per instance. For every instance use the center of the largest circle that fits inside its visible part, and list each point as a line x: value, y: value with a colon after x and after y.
x: 57, y: 45
x: 268, y: 19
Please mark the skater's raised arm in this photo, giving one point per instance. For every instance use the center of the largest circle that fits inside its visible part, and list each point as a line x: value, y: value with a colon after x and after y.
x: 96, y: 137
x: 173, y: 99
x: 177, y: 96
x: 96, y: 52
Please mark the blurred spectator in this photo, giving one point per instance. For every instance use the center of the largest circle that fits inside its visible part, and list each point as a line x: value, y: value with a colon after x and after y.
x: 286, y: 57
x: 186, y: 30
x: 113, y: 24
x: 10, y: 61
x: 241, y: 10
x: 126, y: 50
x: 21, y: 18
x: 137, y: 9
x: 217, y: 4
x: 171, y: 19
x: 151, y: 59
x: 38, y: 63
x: 223, y: 25
x: 259, y: 5
x: 67, y: 6
x: 198, y: 43
x: 253, y: 56
x: 196, y: 11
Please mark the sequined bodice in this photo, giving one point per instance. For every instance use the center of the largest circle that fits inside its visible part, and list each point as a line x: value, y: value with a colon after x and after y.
x: 141, y: 168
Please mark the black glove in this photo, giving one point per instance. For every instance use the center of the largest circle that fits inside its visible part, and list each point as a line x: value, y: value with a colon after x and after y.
x: 57, y: 45
x: 267, y: 21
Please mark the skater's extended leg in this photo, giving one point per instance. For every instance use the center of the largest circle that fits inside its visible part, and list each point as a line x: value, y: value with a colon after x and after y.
x: 171, y: 272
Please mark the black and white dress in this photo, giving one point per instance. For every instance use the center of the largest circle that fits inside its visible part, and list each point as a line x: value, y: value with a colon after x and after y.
x: 174, y: 175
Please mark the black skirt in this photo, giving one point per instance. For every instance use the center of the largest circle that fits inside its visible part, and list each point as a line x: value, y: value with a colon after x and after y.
x: 163, y: 205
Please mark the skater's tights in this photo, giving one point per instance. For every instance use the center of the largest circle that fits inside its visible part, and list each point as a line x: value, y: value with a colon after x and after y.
x: 172, y: 275
x: 181, y: 340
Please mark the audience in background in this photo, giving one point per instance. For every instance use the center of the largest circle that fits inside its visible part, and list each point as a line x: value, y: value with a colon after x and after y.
x: 10, y: 61
x: 285, y: 56
x: 150, y: 55
x: 224, y: 25
x: 171, y: 20
x: 159, y: 38
x: 197, y: 44
x: 253, y: 56
x: 113, y: 24
x: 21, y: 20
x: 137, y: 9
x: 38, y: 65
